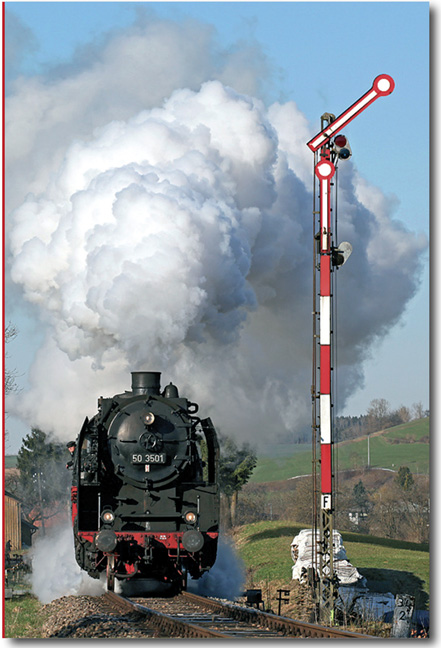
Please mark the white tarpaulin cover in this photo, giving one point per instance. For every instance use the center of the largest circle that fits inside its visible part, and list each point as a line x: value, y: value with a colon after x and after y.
x: 368, y: 605
x: 301, y: 552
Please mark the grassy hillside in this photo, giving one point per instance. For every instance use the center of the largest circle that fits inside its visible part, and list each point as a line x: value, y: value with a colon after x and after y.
x: 403, y: 445
x: 388, y: 565
x: 10, y: 461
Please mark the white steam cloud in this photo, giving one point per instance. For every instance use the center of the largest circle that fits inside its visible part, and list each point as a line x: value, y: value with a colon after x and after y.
x: 169, y: 228
x: 55, y: 572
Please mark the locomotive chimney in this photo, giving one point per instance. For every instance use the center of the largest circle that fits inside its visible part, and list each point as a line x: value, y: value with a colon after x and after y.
x: 146, y: 382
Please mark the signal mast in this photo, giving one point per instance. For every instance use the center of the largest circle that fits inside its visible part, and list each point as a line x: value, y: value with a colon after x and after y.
x: 328, y: 147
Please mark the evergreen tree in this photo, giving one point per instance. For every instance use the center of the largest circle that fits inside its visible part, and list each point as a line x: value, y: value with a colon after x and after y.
x: 360, y: 496
x: 235, y: 468
x: 44, y: 479
x: 404, y: 478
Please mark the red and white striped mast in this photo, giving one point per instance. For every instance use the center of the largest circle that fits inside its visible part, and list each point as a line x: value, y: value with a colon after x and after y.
x: 328, y: 147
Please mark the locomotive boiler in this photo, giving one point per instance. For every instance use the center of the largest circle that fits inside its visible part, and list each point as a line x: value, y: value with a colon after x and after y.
x: 145, y: 495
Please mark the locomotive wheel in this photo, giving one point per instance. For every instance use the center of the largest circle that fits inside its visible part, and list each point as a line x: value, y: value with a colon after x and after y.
x: 110, y: 572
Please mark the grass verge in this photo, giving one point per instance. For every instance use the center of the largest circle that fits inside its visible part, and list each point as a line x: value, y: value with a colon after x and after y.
x: 23, y: 618
x: 388, y: 565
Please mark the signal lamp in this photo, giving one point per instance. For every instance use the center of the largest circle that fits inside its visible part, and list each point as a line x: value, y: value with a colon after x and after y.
x: 345, y: 153
x: 342, y: 147
x: 149, y: 418
x: 341, y: 253
x: 340, y: 141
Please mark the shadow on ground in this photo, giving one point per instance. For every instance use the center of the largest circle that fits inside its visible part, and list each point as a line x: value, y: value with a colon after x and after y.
x: 396, y: 582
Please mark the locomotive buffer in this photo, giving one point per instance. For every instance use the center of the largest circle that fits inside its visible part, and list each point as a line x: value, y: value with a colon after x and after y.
x: 328, y: 147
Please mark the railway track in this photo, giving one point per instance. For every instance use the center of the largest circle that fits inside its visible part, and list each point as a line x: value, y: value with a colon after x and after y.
x: 192, y: 616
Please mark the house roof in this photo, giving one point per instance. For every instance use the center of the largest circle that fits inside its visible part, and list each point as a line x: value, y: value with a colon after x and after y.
x: 8, y: 494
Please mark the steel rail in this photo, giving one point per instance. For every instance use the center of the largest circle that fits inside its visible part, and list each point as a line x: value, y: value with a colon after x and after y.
x: 165, y: 624
x: 170, y: 626
x: 282, y: 624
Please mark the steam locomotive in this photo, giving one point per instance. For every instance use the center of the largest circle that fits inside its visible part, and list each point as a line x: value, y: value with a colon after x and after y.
x: 145, y: 495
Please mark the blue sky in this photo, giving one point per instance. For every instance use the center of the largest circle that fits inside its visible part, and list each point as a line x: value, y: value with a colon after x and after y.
x: 323, y: 56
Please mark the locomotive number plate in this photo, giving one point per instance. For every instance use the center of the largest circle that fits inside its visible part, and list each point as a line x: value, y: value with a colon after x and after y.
x: 149, y: 458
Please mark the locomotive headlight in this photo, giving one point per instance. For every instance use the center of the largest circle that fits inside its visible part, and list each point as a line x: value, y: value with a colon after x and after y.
x: 149, y: 418
x: 107, y: 517
x: 190, y: 517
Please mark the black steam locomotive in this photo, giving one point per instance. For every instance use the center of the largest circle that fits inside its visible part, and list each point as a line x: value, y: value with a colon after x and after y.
x: 145, y: 495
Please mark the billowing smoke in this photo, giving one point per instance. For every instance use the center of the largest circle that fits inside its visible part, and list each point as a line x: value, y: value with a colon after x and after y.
x: 226, y: 579
x: 169, y: 228
x: 55, y: 572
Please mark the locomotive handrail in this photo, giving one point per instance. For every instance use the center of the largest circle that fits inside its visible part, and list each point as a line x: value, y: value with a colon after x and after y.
x: 78, y: 466
x: 174, y: 406
x: 213, y: 445
x: 79, y: 446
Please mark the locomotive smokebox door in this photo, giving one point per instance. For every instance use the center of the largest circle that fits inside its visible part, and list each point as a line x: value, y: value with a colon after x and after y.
x: 145, y: 439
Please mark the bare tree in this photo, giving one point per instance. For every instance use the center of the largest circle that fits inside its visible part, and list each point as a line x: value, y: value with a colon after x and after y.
x: 11, y: 333
x: 402, y: 512
x: 404, y: 414
x: 418, y: 410
x: 388, y: 515
x: 378, y: 413
x: 419, y: 511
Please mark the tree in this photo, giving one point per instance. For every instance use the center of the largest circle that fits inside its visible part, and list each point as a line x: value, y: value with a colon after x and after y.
x: 399, y: 513
x: 253, y: 505
x: 418, y: 410
x: 404, y: 478
x: 10, y: 384
x: 360, y: 497
x: 419, y: 511
x: 360, y: 505
x: 44, y: 479
x: 388, y: 514
x: 11, y: 333
x: 403, y: 414
x: 378, y: 413
x: 235, y: 468
x: 302, y: 505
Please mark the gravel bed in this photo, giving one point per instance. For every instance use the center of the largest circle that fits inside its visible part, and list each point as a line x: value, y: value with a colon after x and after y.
x: 90, y: 617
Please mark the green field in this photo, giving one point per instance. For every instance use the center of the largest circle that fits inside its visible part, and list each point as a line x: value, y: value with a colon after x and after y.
x: 403, y: 445
x: 10, y: 461
x: 388, y: 565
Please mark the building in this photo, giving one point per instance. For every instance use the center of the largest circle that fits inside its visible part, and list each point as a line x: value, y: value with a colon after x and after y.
x: 12, y: 521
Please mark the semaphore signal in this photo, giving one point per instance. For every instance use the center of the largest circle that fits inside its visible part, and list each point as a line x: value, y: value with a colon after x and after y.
x: 329, y: 147
x: 382, y: 86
